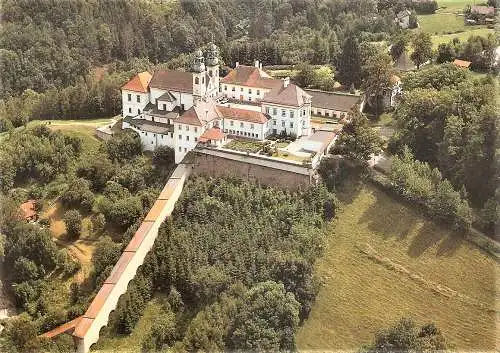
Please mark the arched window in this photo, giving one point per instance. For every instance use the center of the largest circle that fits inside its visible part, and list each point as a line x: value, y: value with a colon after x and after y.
x: 196, y: 80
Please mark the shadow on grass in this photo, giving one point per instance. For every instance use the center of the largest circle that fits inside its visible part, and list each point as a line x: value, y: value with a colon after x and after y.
x: 388, y: 217
x: 430, y: 235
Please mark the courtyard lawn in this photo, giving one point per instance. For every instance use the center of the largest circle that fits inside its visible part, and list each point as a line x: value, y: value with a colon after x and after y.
x: 244, y: 145
x: 385, y: 261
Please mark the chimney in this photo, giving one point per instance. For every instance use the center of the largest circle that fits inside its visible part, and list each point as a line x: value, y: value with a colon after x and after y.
x: 237, y: 64
x: 286, y: 82
x: 256, y: 64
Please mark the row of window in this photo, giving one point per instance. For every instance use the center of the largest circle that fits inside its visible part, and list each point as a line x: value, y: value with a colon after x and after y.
x: 242, y: 125
x: 291, y: 113
x: 154, y: 135
x: 283, y: 124
x: 233, y: 89
x: 242, y: 133
x: 187, y: 137
x: 186, y: 128
x: 330, y: 114
x: 129, y: 97
x: 130, y: 111
x: 197, y: 80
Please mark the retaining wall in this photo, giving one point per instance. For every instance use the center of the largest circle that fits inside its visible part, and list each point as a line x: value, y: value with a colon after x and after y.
x: 89, y: 325
x: 219, y: 163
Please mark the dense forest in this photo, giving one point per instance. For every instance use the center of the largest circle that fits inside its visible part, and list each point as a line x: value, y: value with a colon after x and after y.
x: 236, y: 264
x: 447, y: 119
x: 110, y: 184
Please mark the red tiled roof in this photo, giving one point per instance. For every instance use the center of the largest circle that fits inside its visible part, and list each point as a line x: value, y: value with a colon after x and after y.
x: 291, y: 95
x: 68, y: 326
x: 212, y: 134
x: 243, y: 115
x: 98, y: 301
x: 483, y: 10
x: 168, y: 190
x: 138, y: 83
x: 200, y: 114
x: 139, y: 236
x: 250, y: 76
x: 462, y: 63
x: 119, y: 267
x: 28, y: 209
x: 154, y: 212
x: 177, y: 81
x: 82, y: 327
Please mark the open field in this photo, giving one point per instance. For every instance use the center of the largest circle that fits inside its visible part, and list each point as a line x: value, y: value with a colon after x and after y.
x: 462, y: 36
x: 385, y: 261
x: 447, y: 24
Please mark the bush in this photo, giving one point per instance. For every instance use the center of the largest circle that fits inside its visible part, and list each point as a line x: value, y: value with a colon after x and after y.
x: 425, y: 7
x: 25, y: 270
x: 73, y: 222
x: 22, y: 332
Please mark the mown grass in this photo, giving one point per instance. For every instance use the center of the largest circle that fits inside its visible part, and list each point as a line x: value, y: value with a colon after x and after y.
x: 244, y: 145
x: 462, y: 36
x: 448, y: 22
x: 385, y: 261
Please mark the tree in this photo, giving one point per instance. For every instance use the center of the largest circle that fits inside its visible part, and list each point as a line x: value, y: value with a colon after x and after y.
x: 162, y: 333
x: 399, y: 45
x: 349, y: 64
x: 358, y: 141
x: 73, y: 222
x: 378, y: 74
x: 266, y: 320
x: 445, y: 53
x: 422, y: 48
x: 25, y: 270
x: 22, y: 332
x: 124, y: 146
x: 405, y: 336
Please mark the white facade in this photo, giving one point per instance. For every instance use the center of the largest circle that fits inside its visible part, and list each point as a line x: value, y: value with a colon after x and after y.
x: 243, y: 93
x: 290, y: 120
x: 133, y: 103
x: 182, y: 100
x: 246, y: 129
x: 164, y: 106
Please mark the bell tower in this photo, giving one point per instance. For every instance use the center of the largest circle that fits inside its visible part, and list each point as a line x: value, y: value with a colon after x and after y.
x: 199, y: 76
x: 213, y: 69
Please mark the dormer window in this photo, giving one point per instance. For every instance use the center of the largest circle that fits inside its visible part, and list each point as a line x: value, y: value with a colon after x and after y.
x: 164, y: 107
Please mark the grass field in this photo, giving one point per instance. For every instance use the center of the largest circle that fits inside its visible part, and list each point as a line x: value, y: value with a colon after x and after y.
x: 462, y: 36
x: 447, y: 24
x: 385, y: 261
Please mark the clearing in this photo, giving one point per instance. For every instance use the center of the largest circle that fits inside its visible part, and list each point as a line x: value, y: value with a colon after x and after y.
x: 385, y: 261
x: 448, y: 23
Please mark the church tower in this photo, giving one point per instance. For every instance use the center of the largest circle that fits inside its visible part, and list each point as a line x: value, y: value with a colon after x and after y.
x: 199, y: 76
x: 213, y: 69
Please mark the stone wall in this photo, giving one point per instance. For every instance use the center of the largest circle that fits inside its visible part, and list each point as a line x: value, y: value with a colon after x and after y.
x: 220, y: 166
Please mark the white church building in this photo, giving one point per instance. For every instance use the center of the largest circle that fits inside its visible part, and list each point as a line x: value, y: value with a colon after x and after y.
x: 181, y: 109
